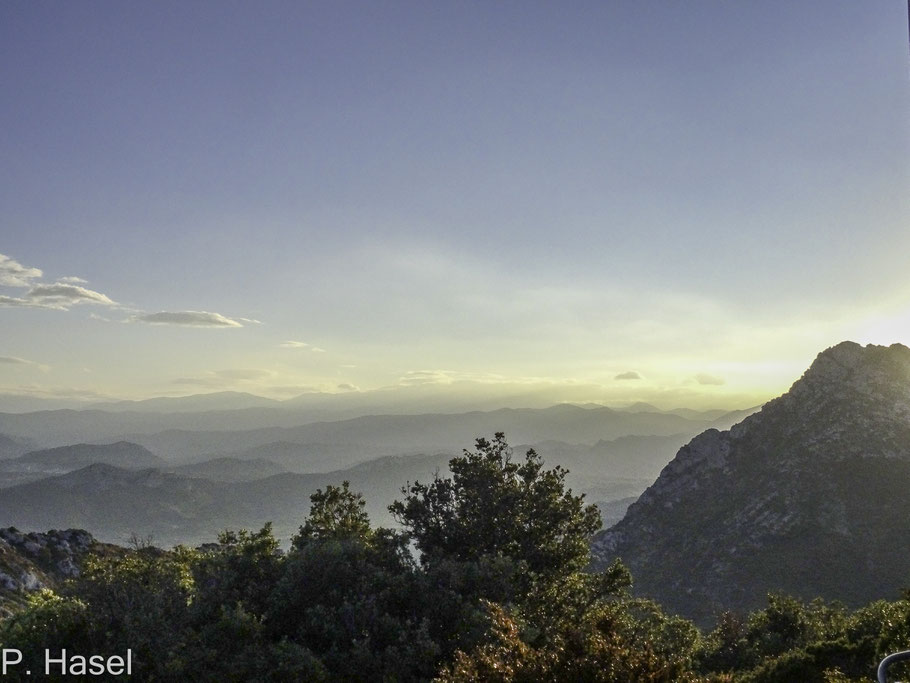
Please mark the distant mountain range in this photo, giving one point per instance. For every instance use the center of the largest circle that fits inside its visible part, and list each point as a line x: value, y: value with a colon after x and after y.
x: 452, y: 397
x: 394, y: 434
x: 808, y: 496
x: 191, y: 503
x: 184, y: 438
x: 186, y: 474
x: 219, y: 400
x: 234, y: 411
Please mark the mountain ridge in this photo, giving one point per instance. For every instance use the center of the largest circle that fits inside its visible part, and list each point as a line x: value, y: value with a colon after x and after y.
x: 805, y: 496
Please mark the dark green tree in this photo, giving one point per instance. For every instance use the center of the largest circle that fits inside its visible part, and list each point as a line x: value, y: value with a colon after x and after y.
x: 241, y: 570
x: 352, y: 595
x: 336, y: 512
x: 493, y: 505
x: 505, y: 531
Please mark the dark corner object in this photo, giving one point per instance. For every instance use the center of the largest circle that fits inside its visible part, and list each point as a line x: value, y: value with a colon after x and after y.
x: 888, y: 661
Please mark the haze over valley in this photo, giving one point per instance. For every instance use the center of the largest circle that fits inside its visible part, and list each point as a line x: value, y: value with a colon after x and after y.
x: 194, y: 483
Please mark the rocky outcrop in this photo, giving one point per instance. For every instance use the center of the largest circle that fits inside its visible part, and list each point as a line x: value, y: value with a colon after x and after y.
x: 808, y: 496
x: 32, y: 561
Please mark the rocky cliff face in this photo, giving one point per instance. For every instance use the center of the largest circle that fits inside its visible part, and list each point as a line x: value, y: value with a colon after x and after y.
x: 32, y: 561
x: 811, y: 496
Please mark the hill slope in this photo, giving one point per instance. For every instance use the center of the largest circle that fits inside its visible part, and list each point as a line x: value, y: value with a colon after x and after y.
x: 231, y: 469
x: 808, y: 496
x: 32, y: 561
x: 37, y: 465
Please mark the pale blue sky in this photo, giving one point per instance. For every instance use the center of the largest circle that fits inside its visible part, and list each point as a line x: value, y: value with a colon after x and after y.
x: 520, y: 192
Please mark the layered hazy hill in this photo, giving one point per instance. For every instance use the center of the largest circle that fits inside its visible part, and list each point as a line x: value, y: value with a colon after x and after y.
x: 36, y: 465
x: 807, y: 496
x: 231, y: 469
x: 116, y: 503
x: 197, y: 433
x: 176, y: 477
x: 10, y: 448
x: 67, y: 458
x: 191, y: 503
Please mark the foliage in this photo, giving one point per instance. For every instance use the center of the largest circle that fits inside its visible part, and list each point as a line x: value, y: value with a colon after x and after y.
x: 815, y: 642
x: 614, y: 643
x: 336, y: 512
x: 48, y: 623
x: 242, y: 571
x: 493, y: 505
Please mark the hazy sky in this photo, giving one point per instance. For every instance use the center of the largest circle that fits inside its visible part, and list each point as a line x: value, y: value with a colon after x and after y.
x: 680, y: 202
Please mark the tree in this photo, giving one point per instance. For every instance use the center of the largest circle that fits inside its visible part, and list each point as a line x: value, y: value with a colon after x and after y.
x: 504, y: 532
x: 352, y: 595
x: 241, y: 570
x: 336, y: 512
x: 495, y: 506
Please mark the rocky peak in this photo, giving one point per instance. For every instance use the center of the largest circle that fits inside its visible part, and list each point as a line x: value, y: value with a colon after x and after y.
x: 849, y: 371
x: 786, y: 499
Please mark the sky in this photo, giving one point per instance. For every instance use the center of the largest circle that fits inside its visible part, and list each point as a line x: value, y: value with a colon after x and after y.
x: 616, y: 201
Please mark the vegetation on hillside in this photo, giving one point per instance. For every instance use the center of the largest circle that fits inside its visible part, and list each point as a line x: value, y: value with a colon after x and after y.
x: 486, y: 581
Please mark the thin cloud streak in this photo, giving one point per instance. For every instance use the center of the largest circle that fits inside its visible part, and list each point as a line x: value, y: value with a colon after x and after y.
x: 301, y: 345
x: 13, y: 360
x: 188, y: 319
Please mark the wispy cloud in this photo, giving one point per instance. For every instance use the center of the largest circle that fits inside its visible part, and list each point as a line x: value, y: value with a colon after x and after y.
x: 301, y: 345
x: 70, y: 291
x: 419, y: 377
x: 59, y: 296
x: 709, y: 380
x: 188, y: 319
x: 12, y: 360
x: 14, y: 274
x: 23, y: 362
x: 66, y: 295
x: 631, y: 374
